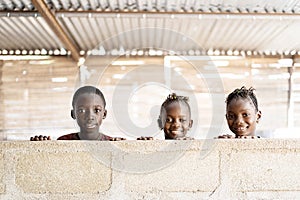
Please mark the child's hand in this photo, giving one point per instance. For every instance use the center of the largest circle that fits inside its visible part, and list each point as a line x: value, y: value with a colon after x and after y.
x: 247, y: 137
x: 145, y: 138
x: 117, y: 139
x: 225, y: 137
x: 40, y: 138
x: 184, y: 138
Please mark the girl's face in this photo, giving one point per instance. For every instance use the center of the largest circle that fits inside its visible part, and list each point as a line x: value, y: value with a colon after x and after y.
x: 89, y: 112
x: 176, y: 120
x: 242, y: 117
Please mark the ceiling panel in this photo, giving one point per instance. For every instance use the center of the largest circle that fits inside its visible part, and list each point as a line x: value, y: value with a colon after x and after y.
x: 27, y: 33
x: 259, y: 34
x: 262, y: 6
x: 180, y: 25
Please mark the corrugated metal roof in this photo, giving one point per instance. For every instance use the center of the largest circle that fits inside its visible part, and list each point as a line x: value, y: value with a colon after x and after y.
x: 27, y: 33
x: 260, y: 6
x: 182, y: 25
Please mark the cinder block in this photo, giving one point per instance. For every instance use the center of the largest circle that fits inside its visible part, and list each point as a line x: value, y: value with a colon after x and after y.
x: 270, y: 195
x: 264, y: 170
x: 64, y: 173
x: 173, y: 172
x: 2, y: 172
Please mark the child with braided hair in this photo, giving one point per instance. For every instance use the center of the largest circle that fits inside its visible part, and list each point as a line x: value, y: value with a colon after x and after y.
x: 242, y: 113
x: 175, y: 117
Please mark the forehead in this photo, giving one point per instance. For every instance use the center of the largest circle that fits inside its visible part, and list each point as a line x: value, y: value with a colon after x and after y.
x: 241, y: 103
x: 177, y: 106
x: 89, y: 98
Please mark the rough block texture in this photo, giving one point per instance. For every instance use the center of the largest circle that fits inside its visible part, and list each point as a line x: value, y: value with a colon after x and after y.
x: 61, y: 173
x: 271, y: 170
x: 2, y: 172
x: 179, y: 174
x: 198, y: 169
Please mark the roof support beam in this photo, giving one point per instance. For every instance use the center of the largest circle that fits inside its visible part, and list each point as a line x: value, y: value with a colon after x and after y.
x: 217, y: 15
x: 43, y: 9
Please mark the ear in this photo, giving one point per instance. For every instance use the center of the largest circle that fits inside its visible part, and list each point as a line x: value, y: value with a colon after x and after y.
x: 104, y: 114
x: 191, y: 123
x: 226, y: 116
x: 159, y: 122
x: 73, y: 114
x: 258, y: 114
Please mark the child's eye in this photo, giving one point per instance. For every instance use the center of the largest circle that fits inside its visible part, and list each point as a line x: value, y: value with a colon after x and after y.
x: 230, y: 117
x: 182, y: 120
x: 81, y: 111
x: 246, y: 115
x: 97, y: 110
x: 169, y: 120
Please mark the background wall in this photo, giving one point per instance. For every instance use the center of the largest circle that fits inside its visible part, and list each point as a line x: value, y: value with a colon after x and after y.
x: 36, y: 94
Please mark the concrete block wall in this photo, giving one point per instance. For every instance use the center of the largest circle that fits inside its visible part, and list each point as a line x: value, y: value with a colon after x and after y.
x: 198, y: 169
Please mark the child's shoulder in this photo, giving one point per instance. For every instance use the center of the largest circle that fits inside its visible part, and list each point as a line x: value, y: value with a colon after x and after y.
x: 71, y: 136
x: 105, y: 137
x: 109, y: 138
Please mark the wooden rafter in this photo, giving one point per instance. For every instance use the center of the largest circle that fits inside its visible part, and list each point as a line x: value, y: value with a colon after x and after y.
x: 50, y: 18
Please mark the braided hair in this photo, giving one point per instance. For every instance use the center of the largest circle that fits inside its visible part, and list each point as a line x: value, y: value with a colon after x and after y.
x: 172, y: 98
x: 243, y: 93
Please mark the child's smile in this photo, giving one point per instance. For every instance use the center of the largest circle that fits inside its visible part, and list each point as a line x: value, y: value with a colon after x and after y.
x: 89, y: 110
x: 176, y: 121
x: 240, y: 129
x: 242, y: 117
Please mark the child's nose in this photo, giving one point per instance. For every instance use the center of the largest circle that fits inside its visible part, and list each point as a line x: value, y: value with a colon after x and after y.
x: 176, y: 123
x: 90, y: 114
x: 239, y: 120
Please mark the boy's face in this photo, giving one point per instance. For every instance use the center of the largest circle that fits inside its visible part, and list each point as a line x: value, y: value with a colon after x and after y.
x: 176, y: 120
x: 89, y: 112
x: 242, y: 117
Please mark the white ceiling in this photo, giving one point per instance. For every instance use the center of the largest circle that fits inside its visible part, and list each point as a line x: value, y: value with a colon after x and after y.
x: 183, y: 26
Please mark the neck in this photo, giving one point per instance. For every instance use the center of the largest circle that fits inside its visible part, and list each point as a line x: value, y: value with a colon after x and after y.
x: 89, y: 136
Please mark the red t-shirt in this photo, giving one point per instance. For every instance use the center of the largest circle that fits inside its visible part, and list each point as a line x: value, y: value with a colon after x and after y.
x: 75, y: 136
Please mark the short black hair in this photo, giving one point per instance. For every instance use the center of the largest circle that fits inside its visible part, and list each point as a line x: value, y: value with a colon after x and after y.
x: 87, y: 90
x: 243, y: 93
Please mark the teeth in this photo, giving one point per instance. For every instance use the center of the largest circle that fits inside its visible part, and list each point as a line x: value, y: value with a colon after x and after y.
x: 176, y: 131
x: 91, y: 126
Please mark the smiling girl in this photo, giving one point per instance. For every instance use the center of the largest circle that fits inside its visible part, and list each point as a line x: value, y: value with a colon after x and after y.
x: 242, y: 113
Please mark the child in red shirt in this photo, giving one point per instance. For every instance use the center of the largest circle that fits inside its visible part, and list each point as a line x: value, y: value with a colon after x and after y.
x: 89, y: 111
